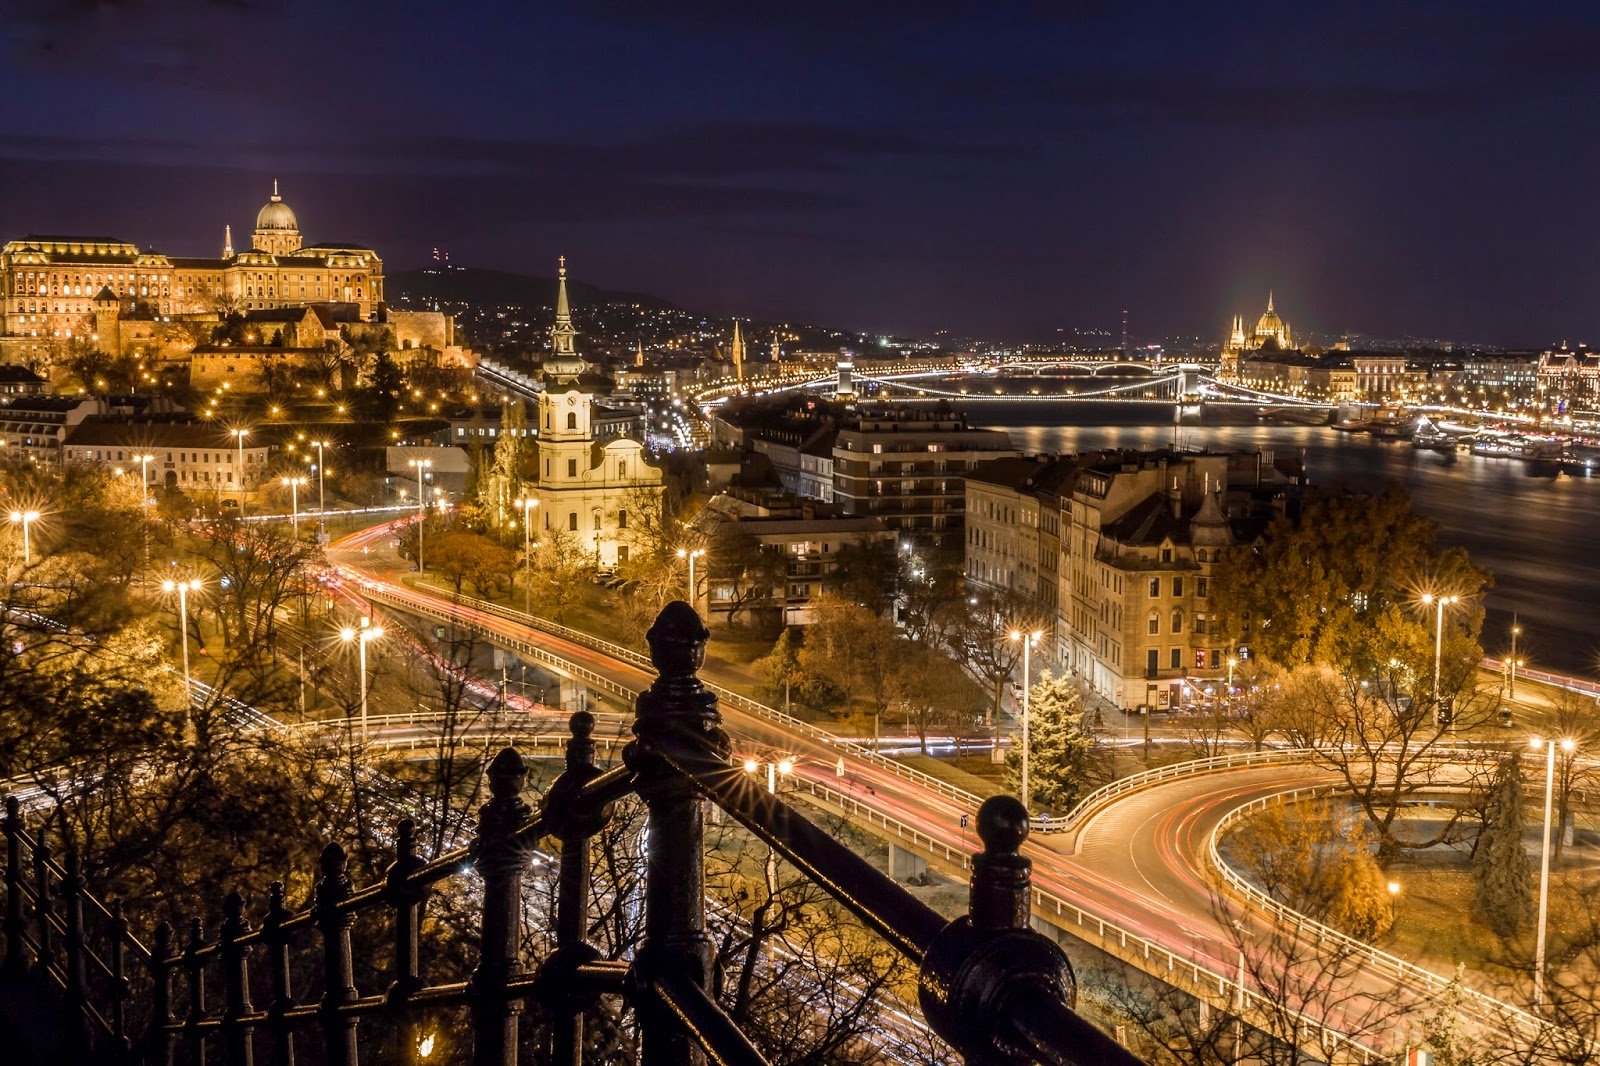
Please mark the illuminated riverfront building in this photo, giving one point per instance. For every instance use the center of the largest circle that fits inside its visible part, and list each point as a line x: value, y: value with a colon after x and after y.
x: 55, y: 290
x: 1271, y: 332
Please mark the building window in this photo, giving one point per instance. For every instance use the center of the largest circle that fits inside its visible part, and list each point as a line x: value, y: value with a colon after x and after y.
x: 1177, y: 586
x: 1177, y: 658
x: 572, y: 521
x: 622, y: 519
x: 1201, y: 587
x: 1177, y: 621
x: 1152, y: 663
x: 572, y: 468
x: 1155, y: 623
x: 1155, y: 588
x: 1166, y: 555
x: 572, y: 420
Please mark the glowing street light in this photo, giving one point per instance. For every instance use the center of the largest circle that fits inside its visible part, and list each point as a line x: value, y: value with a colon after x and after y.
x: 1549, y: 747
x: 239, y: 435
x: 319, y: 445
x: 1438, y: 638
x: 783, y: 767
x: 684, y: 553
x: 526, y: 504
x: 1028, y: 641
x: 360, y: 636
x: 421, y: 466
x: 1512, y: 663
x: 144, y: 462
x: 183, y: 588
x: 293, y: 484
x: 26, y: 519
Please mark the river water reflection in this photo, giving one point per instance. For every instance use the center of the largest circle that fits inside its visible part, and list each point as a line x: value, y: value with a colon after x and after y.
x: 1533, y: 531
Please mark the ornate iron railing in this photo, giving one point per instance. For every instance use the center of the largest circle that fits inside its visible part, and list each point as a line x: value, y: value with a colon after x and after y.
x: 997, y: 991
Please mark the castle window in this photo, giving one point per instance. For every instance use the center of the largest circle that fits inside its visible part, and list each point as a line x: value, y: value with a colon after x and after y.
x: 572, y: 468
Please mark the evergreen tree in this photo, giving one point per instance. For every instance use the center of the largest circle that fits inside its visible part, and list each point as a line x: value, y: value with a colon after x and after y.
x: 1500, y: 868
x: 499, y: 487
x: 1064, y: 759
x: 781, y: 666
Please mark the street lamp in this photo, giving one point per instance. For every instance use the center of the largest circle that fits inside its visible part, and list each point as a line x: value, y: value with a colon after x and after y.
x: 183, y: 588
x: 527, y: 504
x: 1028, y: 641
x: 421, y: 466
x: 239, y: 435
x: 144, y: 462
x: 784, y: 766
x: 1544, y: 860
x: 294, y: 484
x: 1438, y: 638
x: 26, y: 519
x: 360, y: 636
x: 322, y: 504
x: 1512, y: 663
x: 1232, y: 662
x: 684, y: 553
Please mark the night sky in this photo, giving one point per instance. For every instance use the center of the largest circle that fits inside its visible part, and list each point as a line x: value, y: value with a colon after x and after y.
x: 1006, y: 170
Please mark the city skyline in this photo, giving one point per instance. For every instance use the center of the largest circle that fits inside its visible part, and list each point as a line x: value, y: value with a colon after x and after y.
x: 903, y: 171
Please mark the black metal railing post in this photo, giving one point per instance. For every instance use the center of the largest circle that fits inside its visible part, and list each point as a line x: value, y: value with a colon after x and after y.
x: 194, y: 968
x: 407, y: 899
x: 499, y: 857
x: 677, y: 722
x: 236, y: 1030
x: 16, y: 962
x: 995, y: 989
x: 559, y: 986
x: 77, y: 972
x: 43, y: 930
x: 338, y: 968
x: 120, y: 987
x: 157, y: 1038
x: 277, y: 940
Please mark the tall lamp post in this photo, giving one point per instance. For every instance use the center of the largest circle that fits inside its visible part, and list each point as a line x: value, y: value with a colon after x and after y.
x: 322, y: 502
x: 293, y: 484
x: 1512, y: 663
x: 526, y: 504
x: 684, y: 553
x: 1549, y: 747
x: 1028, y: 641
x: 26, y: 519
x: 1440, y: 602
x: 784, y: 766
x: 183, y: 588
x: 421, y: 466
x: 360, y: 636
x: 144, y: 462
x: 239, y: 435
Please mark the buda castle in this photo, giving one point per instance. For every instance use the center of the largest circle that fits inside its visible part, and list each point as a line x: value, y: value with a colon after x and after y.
x: 56, y: 289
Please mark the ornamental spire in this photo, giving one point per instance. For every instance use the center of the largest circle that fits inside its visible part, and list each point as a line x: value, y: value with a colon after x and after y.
x: 562, y: 335
x: 227, y: 242
x: 738, y: 352
x: 1269, y: 301
x: 275, y: 196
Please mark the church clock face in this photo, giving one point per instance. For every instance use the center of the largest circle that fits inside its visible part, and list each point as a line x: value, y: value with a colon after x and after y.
x: 572, y: 401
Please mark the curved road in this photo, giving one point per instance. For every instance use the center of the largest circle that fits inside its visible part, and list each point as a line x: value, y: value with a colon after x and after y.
x: 1139, y: 863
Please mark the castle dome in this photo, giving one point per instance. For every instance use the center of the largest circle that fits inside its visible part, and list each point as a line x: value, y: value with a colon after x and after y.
x: 275, y: 214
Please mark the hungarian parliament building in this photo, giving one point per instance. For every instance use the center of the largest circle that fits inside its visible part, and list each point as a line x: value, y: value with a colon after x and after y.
x: 56, y: 289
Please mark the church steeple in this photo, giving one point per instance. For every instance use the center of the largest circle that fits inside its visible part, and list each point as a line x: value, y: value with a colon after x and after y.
x: 562, y: 335
x: 738, y: 353
x: 638, y: 354
x: 1269, y: 301
x: 227, y: 242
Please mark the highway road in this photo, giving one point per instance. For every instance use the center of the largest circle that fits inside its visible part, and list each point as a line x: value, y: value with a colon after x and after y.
x: 1135, y: 879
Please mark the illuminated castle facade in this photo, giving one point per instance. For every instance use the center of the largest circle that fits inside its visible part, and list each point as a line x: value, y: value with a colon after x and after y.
x: 1271, y: 332
x: 56, y: 289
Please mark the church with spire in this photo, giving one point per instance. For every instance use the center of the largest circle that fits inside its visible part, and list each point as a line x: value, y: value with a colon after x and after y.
x: 591, y: 491
x: 1271, y: 334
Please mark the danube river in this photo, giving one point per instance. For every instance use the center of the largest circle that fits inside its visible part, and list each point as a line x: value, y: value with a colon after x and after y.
x: 1536, y: 533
